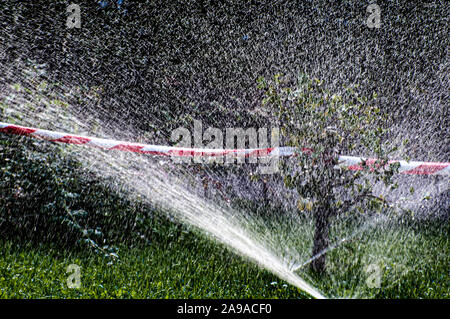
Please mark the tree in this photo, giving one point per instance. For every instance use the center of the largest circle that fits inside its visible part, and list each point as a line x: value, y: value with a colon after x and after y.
x: 321, y: 126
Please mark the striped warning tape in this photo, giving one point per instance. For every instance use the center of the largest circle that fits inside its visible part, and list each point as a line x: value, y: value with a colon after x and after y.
x: 351, y: 162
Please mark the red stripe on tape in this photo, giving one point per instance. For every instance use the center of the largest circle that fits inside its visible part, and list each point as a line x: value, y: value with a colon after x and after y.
x: 18, y: 130
x: 426, y: 169
x: 70, y: 139
x: 357, y: 167
x: 128, y: 148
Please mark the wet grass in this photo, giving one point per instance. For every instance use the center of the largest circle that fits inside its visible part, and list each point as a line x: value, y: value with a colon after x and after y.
x: 412, y: 262
x: 383, y: 256
x: 392, y: 260
x: 177, y: 270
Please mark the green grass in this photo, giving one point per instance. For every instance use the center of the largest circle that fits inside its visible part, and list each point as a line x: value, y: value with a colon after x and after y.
x: 175, y: 270
x: 412, y: 258
x: 413, y: 261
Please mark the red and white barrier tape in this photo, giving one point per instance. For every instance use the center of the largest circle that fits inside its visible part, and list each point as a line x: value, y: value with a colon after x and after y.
x: 351, y: 162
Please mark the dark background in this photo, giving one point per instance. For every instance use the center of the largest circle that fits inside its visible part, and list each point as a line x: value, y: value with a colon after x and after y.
x: 161, y: 62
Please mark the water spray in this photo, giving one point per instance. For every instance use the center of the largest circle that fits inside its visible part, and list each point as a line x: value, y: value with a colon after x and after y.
x: 217, y: 221
x: 350, y: 162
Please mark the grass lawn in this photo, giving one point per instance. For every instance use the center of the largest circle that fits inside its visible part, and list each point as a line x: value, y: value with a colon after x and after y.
x: 413, y: 265
x: 157, y: 271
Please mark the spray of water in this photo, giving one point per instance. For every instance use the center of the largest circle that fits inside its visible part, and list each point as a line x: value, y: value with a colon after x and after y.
x: 282, y: 246
x: 165, y: 187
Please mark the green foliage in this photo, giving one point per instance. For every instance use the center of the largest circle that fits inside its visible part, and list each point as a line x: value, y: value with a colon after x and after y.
x: 46, y: 196
x: 322, y: 125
